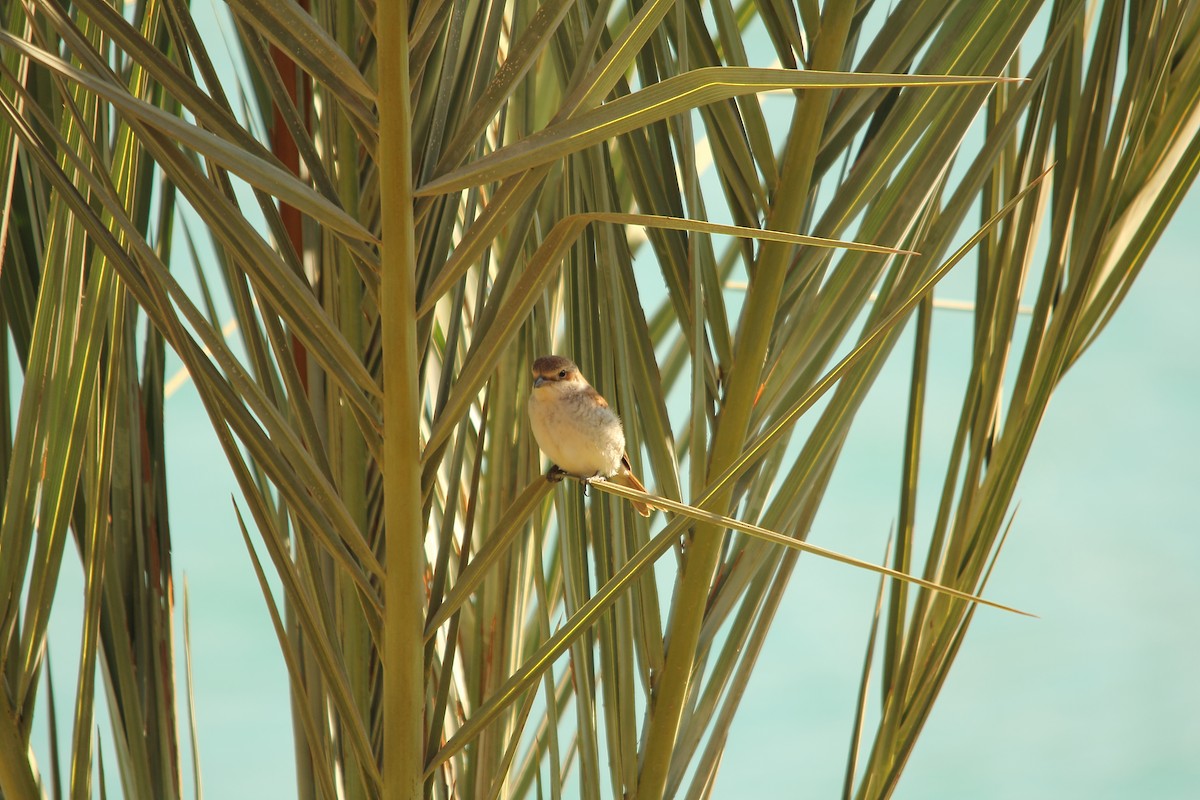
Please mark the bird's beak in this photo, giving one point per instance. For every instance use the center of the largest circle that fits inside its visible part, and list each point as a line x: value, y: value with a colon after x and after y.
x: 538, y: 381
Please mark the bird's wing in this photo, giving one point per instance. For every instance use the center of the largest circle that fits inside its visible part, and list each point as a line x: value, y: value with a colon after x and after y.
x: 591, y: 393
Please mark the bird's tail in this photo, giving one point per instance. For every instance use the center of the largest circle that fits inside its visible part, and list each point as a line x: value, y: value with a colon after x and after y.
x: 627, y: 478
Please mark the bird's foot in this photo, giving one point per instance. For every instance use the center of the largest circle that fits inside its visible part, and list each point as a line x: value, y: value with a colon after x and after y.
x: 556, y: 474
x: 596, y: 478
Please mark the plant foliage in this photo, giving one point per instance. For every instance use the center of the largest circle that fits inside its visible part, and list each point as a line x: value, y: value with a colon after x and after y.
x: 726, y: 213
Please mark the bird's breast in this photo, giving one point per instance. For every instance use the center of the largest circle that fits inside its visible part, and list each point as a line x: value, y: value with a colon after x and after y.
x: 575, y: 432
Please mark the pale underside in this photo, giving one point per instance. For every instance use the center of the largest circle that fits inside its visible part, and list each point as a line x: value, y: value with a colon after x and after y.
x: 576, y: 434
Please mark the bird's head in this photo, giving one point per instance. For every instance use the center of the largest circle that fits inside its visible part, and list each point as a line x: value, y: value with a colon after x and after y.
x: 550, y: 370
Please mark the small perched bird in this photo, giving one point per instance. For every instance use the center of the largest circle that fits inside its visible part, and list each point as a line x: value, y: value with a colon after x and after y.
x: 575, y: 428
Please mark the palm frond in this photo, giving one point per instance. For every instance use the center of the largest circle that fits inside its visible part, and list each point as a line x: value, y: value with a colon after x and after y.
x: 413, y: 201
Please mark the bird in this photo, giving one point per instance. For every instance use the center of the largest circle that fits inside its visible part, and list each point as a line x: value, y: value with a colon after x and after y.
x: 575, y: 427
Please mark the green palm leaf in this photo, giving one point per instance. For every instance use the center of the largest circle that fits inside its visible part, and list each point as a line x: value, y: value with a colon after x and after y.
x: 406, y: 204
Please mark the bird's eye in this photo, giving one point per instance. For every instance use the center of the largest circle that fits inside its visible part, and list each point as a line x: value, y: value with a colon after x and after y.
x: 562, y: 373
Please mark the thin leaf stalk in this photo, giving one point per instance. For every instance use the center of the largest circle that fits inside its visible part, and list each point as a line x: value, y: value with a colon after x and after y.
x: 403, y: 680
x: 898, y: 597
x: 749, y: 354
x: 96, y: 552
x: 350, y: 453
